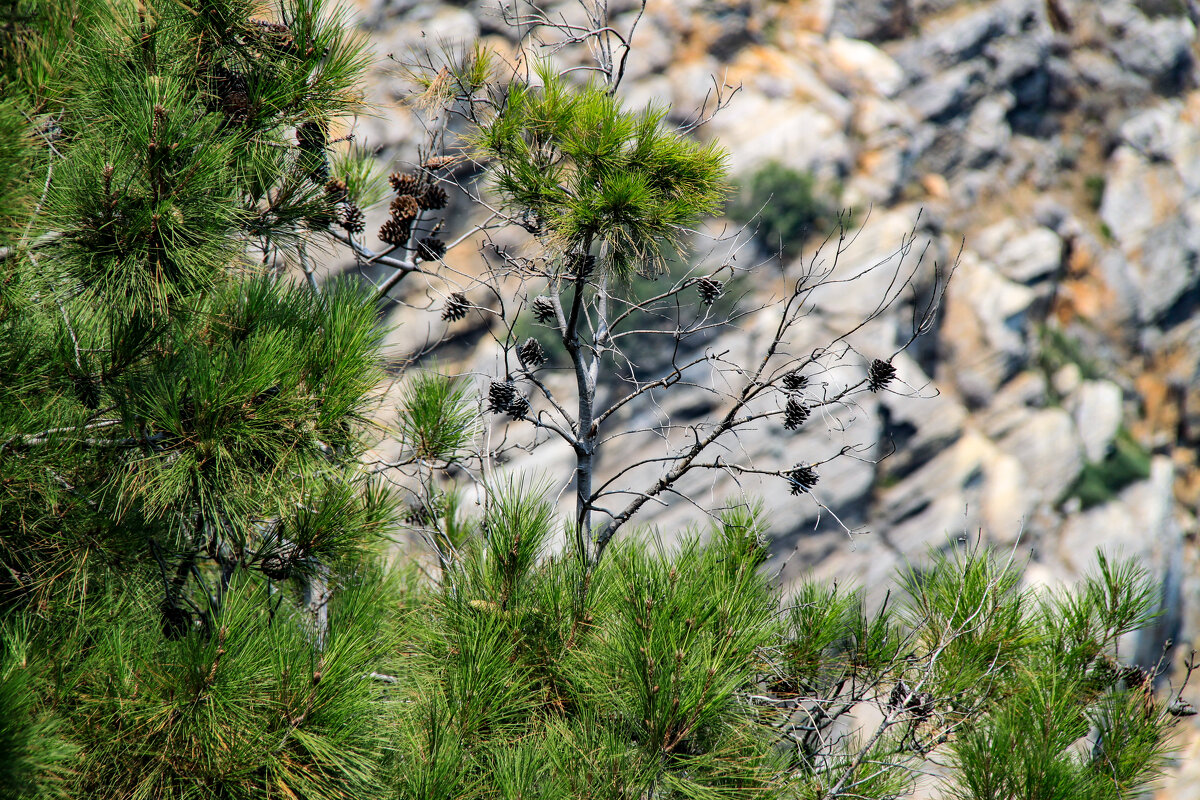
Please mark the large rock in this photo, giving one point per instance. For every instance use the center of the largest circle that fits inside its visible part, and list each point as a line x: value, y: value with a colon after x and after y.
x: 1097, y: 409
x: 1050, y: 451
x: 877, y: 261
x: 1022, y: 254
x: 863, y: 66
x: 942, y: 500
x: 918, y: 423
x: 983, y: 337
x: 790, y: 132
x: 962, y: 38
x: 1139, y: 524
x: 1151, y: 206
x: 873, y: 20
x: 1159, y: 50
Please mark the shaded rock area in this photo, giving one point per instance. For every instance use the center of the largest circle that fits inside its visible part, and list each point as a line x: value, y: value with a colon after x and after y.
x: 1056, y: 407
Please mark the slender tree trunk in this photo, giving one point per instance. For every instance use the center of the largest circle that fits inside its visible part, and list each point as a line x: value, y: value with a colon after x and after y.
x: 585, y: 384
x: 315, y: 596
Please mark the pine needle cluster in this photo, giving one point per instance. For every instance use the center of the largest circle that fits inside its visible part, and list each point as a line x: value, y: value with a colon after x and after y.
x: 682, y: 672
x: 587, y: 171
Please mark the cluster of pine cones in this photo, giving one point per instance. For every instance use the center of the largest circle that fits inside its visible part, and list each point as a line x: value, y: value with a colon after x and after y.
x: 795, y: 413
x: 503, y: 398
x: 415, y: 193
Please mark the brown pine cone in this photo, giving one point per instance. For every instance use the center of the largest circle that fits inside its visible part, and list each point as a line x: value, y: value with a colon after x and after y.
x: 405, y: 182
x: 336, y: 190
x: 434, y: 197
x: 394, y: 232
x: 352, y: 219
x: 431, y: 249
x: 404, y: 208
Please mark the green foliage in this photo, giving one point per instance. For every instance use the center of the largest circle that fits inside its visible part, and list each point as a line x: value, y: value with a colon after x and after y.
x: 1056, y: 349
x: 244, y: 709
x: 683, y: 673
x: 437, y: 417
x: 1126, y: 462
x: 1069, y: 688
x: 589, y: 172
x: 1093, y: 188
x: 786, y: 205
x: 34, y: 753
x: 17, y: 157
x: 180, y: 429
x: 972, y: 615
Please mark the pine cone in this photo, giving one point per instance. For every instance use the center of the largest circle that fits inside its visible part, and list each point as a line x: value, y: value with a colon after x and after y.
x: 336, y: 190
x: 311, y: 137
x: 405, y: 182
x: 898, y: 695
x: 434, y: 197
x: 1135, y: 677
x: 404, y: 208
x: 531, y: 222
x: 275, y: 34
x: 1103, y: 673
x: 581, y: 264
x: 803, y: 477
x: 438, y: 162
x: 543, y: 309
x: 394, y: 232
x: 794, y: 414
x: 176, y: 622
x: 794, y: 381
x: 880, y: 374
x: 921, y: 705
x: 710, y: 290
x: 232, y: 92
x: 518, y: 408
x: 352, y: 219
x: 431, y: 249
x: 531, y: 353
x: 501, y: 395
x: 419, y: 514
x: 276, y: 566
x: 456, y: 307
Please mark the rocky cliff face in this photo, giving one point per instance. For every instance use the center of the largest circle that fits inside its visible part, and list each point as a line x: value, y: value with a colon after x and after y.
x: 1060, y: 139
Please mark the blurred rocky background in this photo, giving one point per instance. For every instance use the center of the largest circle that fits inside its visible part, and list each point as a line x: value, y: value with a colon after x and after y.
x: 1056, y: 407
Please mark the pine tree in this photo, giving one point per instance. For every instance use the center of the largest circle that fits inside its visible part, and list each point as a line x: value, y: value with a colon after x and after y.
x: 194, y: 602
x: 180, y: 425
